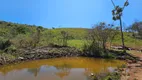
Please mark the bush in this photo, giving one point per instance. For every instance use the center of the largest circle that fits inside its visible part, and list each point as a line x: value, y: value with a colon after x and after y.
x: 109, y: 55
x: 11, y: 49
x: 4, y: 43
x: 23, y: 41
x: 92, y: 50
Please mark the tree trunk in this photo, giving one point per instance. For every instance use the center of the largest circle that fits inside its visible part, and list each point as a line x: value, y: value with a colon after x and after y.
x: 122, y: 36
x: 110, y: 43
x: 104, y: 47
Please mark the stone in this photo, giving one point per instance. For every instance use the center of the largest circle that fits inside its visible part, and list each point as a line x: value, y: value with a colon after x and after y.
x: 21, y: 58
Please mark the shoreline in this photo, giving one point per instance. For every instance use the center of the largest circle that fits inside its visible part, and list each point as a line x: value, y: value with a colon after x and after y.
x: 54, y: 52
x: 41, y: 53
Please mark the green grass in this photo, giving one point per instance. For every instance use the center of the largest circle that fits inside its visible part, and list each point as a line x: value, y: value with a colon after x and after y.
x: 129, y: 41
x: 76, y: 43
x: 8, y: 31
x: 76, y: 33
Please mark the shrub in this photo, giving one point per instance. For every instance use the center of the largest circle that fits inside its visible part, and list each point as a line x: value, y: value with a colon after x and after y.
x: 92, y: 49
x: 4, y: 43
x: 23, y: 41
x: 11, y: 49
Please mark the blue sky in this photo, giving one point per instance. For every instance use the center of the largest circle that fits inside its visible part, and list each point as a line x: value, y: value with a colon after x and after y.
x: 66, y: 13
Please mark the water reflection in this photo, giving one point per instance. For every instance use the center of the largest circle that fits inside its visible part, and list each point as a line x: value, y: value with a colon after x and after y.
x: 63, y: 70
x: 76, y: 68
x: 34, y: 71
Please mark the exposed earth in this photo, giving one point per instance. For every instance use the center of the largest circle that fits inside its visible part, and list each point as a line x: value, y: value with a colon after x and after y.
x: 133, y: 71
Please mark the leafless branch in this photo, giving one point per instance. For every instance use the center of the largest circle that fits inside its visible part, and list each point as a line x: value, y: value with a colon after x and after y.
x: 113, y: 3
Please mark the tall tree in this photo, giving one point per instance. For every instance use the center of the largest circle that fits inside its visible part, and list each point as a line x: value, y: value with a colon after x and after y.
x: 117, y: 14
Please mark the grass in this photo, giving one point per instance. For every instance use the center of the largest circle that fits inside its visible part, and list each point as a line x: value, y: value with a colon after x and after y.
x: 129, y: 41
x: 77, y: 40
x: 76, y: 43
x: 76, y: 33
x: 80, y: 33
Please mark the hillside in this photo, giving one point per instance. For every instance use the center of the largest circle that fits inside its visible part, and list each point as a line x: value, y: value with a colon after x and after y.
x: 26, y: 34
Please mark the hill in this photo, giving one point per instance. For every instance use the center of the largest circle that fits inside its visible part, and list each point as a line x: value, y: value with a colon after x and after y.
x: 23, y: 35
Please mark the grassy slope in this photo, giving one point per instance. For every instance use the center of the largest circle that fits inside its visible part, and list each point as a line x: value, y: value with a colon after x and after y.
x: 129, y: 41
x: 79, y: 33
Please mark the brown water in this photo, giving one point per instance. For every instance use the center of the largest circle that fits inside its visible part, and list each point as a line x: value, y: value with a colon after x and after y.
x: 75, y: 68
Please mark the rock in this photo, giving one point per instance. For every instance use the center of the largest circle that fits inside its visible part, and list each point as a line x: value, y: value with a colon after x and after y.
x: 21, y: 58
x: 138, y: 65
x: 92, y: 74
x: 129, y: 61
x: 129, y: 66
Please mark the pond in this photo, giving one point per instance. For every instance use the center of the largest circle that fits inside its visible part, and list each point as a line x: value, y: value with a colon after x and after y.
x: 73, y: 68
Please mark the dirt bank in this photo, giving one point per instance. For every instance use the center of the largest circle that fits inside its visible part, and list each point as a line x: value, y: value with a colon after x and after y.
x: 41, y: 53
x: 133, y: 71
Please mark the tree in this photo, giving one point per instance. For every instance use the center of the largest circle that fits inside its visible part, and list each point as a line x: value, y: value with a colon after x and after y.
x: 136, y: 28
x: 96, y: 40
x: 64, y: 35
x: 101, y: 34
x: 117, y: 14
x: 112, y: 35
x: 37, y: 36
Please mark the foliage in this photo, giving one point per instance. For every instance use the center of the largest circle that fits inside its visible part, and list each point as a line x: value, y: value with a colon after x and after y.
x: 117, y: 11
x: 23, y: 36
x: 112, y: 34
x: 107, y: 76
x: 136, y: 29
x: 100, y: 34
x: 65, y: 36
x: 92, y: 49
x: 4, y: 43
x: 98, y: 37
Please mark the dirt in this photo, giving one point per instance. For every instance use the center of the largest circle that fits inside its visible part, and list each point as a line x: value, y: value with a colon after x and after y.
x: 134, y: 69
x: 41, y: 53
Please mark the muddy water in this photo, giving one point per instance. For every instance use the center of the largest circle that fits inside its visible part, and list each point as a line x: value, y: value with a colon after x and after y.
x: 75, y: 68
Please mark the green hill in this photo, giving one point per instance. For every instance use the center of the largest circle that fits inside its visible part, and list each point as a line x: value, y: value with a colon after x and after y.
x: 26, y: 34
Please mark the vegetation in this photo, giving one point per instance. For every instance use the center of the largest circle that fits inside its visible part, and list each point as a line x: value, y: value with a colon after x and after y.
x: 94, y: 42
x: 97, y: 39
x: 107, y: 76
x: 25, y: 36
x: 117, y: 13
x: 136, y: 30
x: 31, y: 42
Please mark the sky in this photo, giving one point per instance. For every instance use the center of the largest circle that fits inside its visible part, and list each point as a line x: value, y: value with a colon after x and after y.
x: 67, y: 13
